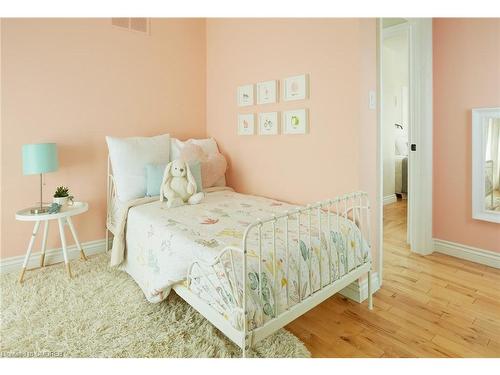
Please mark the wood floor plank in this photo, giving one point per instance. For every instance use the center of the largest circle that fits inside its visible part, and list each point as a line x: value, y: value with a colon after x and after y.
x: 428, y: 306
x: 450, y: 295
x: 391, y: 346
x: 365, y: 345
x: 494, y: 347
x: 463, y: 350
x: 419, y: 327
x: 491, y: 326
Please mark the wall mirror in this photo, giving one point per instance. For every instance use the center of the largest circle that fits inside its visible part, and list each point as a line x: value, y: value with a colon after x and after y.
x: 486, y: 164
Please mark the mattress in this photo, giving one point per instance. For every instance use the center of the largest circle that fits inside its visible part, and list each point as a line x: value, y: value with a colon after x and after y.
x: 163, y: 243
x: 401, y: 174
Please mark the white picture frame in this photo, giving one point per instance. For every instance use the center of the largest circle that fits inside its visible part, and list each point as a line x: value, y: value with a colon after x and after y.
x: 296, y: 88
x: 245, y: 95
x: 267, y: 92
x: 268, y: 123
x: 296, y: 121
x: 246, y: 124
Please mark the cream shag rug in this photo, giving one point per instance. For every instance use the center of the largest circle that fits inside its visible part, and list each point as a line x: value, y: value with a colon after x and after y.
x: 102, y: 312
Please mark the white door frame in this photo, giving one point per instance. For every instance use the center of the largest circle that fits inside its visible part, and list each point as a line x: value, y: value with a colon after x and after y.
x: 420, y: 134
x: 421, y: 124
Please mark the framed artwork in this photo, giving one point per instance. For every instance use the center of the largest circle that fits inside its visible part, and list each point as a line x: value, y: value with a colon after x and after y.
x: 266, y: 92
x: 295, y: 122
x: 268, y: 123
x: 246, y: 124
x: 296, y: 88
x: 245, y: 95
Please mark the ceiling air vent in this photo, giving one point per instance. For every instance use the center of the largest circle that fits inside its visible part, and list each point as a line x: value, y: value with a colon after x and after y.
x: 140, y: 25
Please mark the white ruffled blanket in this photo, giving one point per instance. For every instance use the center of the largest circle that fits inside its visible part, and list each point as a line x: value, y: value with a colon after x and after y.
x: 118, y: 249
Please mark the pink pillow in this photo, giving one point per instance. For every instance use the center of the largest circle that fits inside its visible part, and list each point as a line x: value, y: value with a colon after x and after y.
x: 191, y: 152
x: 213, y: 167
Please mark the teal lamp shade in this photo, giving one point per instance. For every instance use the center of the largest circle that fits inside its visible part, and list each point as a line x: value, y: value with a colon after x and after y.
x: 39, y: 158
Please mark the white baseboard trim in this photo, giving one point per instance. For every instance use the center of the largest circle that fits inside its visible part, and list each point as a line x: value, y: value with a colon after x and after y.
x: 473, y: 254
x: 358, y: 291
x: 52, y: 256
x: 388, y: 199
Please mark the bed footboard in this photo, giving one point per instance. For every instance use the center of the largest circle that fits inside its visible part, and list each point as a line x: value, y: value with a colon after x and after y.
x: 322, y: 247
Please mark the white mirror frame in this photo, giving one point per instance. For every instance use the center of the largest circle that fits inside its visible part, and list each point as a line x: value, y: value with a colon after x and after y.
x: 479, y: 118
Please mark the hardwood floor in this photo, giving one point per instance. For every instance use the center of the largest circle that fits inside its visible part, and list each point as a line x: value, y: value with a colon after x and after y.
x: 432, y: 306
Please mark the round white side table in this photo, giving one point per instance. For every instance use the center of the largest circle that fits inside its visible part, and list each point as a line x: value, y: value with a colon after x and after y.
x: 62, y: 217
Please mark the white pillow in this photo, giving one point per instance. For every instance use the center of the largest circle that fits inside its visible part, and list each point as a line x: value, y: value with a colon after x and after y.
x: 129, y: 157
x: 209, y: 146
x: 176, y: 146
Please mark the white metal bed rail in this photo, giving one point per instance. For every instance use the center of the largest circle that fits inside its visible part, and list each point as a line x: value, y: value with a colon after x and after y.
x: 221, y: 280
x: 110, y: 203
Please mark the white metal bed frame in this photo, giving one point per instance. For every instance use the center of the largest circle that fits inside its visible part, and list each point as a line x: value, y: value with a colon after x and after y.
x: 354, y: 207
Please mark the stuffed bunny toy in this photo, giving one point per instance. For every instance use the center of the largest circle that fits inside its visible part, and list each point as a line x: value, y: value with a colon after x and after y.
x: 179, y: 185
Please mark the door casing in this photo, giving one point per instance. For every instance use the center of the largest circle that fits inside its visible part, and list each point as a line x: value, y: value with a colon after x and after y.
x: 420, y: 134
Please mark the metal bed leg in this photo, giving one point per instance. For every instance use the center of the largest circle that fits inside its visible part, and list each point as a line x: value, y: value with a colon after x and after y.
x: 245, y: 350
x: 370, y: 295
x: 247, y: 344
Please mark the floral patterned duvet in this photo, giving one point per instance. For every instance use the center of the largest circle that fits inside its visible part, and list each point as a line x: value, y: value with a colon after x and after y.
x: 163, y: 243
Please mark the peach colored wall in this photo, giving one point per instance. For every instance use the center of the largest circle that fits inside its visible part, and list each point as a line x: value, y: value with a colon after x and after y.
x: 73, y: 81
x: 340, y: 56
x: 466, y: 75
x: 368, y: 153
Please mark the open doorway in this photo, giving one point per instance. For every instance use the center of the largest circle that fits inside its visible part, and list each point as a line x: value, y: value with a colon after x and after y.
x: 408, y: 102
x: 395, y: 123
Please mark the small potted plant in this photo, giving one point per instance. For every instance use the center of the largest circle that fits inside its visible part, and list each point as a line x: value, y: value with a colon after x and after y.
x: 61, y: 196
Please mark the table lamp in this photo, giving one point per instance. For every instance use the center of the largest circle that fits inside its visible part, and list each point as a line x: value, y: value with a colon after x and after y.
x: 40, y: 158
